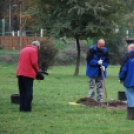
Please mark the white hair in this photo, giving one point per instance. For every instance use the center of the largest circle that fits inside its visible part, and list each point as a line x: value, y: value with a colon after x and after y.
x: 36, y: 43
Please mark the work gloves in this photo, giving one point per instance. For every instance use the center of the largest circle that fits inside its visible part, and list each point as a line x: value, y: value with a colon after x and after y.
x: 39, y: 76
x: 121, y: 81
x: 100, y: 62
x: 103, y: 68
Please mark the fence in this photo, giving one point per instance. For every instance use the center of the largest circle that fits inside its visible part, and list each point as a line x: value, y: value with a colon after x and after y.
x: 13, y: 42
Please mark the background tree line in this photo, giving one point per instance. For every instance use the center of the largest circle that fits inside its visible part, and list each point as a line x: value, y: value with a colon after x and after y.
x: 80, y: 20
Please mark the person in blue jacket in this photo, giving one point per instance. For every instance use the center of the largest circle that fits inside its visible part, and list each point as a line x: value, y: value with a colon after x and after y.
x: 126, y: 76
x: 97, y: 59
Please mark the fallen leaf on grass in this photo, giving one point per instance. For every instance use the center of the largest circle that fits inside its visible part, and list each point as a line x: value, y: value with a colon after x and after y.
x: 74, y: 103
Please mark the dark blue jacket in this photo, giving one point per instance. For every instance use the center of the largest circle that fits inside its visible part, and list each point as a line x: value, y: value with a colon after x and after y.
x: 126, y: 73
x: 93, y: 55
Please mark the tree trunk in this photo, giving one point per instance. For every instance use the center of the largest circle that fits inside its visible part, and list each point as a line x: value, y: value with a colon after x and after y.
x: 78, y: 57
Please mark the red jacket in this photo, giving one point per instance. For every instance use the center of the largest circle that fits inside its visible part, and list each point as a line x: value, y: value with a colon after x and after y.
x: 28, y: 62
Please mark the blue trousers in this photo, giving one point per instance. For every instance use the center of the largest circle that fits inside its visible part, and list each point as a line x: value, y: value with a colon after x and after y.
x: 25, y: 85
x: 130, y: 96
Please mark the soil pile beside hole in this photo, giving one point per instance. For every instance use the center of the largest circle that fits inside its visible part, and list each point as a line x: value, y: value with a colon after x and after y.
x: 117, y: 104
x: 89, y: 102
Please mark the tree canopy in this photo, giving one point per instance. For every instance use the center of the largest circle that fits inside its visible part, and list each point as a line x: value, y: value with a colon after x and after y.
x: 86, y: 18
x: 79, y: 19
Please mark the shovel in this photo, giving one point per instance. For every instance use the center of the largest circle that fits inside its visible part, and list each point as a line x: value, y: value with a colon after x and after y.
x: 104, y: 85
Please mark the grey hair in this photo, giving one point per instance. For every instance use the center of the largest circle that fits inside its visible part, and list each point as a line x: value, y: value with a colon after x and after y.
x: 36, y: 43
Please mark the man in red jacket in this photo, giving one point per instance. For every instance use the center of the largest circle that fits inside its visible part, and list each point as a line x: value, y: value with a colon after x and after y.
x: 26, y: 73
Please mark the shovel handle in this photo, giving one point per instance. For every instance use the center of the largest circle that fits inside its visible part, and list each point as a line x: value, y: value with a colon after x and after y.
x: 104, y: 85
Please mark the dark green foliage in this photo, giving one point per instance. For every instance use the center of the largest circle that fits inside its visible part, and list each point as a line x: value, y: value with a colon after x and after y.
x: 116, y: 48
x: 61, y: 43
x: 80, y: 19
x: 1, y: 47
x: 47, y: 54
x: 3, y: 8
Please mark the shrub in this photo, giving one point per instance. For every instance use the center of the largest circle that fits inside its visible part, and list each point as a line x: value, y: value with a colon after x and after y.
x: 66, y: 57
x: 47, y: 54
x: 69, y: 55
x: 116, y: 48
x: 1, y: 47
x: 8, y: 59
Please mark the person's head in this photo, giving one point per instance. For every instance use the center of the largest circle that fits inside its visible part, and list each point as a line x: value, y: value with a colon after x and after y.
x: 130, y: 47
x: 36, y: 44
x: 101, y: 44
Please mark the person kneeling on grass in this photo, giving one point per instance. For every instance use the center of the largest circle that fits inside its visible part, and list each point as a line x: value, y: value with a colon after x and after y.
x: 126, y: 76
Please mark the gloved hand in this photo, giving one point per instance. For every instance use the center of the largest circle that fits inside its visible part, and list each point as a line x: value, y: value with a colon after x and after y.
x: 100, y: 62
x: 103, y: 68
x: 121, y: 81
x: 39, y: 76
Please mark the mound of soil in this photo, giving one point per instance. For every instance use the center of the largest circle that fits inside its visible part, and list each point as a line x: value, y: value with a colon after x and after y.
x: 115, y: 104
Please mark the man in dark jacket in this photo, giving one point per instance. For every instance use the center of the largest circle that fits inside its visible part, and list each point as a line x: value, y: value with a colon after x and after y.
x: 126, y: 76
x: 97, y: 59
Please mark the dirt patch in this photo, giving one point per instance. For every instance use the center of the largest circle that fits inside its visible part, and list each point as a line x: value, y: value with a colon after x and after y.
x: 113, y: 104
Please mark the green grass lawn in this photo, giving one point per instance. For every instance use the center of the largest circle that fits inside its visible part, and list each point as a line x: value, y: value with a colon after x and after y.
x: 52, y: 113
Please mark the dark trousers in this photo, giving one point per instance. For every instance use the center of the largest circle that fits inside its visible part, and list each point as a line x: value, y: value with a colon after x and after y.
x: 130, y: 113
x: 26, y: 93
